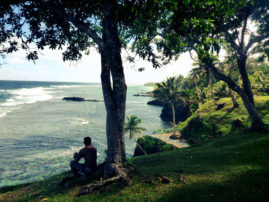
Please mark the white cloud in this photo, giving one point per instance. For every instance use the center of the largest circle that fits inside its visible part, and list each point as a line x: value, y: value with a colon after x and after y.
x: 17, y: 60
x: 50, y: 67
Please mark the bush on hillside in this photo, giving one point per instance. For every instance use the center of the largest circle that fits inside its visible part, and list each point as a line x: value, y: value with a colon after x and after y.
x: 198, y: 129
x: 151, y: 145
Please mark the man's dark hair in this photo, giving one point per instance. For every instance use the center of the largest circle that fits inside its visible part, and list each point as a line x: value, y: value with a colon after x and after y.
x: 87, y: 141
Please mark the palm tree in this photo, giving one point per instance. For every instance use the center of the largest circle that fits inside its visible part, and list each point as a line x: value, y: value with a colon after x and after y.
x: 169, y: 92
x: 197, y: 75
x: 132, y: 125
x: 204, y: 71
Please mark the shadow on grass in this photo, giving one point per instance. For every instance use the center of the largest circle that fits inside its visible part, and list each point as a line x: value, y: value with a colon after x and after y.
x: 225, y: 115
x: 236, y: 188
x: 12, y: 188
x: 231, y: 152
x: 45, y: 188
x: 51, y: 187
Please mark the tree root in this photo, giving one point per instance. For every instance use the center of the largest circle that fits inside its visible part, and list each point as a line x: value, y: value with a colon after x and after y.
x: 121, y: 174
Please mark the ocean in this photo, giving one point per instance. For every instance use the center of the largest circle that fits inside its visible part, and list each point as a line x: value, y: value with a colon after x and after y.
x: 39, y: 132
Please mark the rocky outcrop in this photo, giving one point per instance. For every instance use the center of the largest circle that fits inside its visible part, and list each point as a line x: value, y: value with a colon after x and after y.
x: 156, y: 102
x: 146, y: 94
x: 80, y: 99
x: 182, y: 112
x: 76, y: 99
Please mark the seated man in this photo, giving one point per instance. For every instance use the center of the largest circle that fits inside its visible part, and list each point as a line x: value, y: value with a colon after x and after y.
x: 89, y: 154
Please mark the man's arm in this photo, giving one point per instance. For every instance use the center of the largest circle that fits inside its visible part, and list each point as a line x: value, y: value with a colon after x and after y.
x: 77, y: 156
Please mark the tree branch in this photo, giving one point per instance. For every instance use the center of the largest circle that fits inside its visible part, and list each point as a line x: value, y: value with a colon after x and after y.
x: 226, y: 79
x: 255, y: 39
x: 232, y: 42
x: 242, y: 42
x: 83, y: 27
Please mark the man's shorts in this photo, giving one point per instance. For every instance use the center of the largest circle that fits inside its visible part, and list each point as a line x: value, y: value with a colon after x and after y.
x: 77, y: 167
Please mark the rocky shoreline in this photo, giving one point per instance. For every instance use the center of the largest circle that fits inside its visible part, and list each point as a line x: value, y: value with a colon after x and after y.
x: 166, y: 137
x: 182, y: 111
x: 80, y: 99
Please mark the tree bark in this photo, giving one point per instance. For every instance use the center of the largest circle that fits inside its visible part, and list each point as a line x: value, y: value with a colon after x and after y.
x: 256, y: 121
x: 241, y: 62
x: 235, y: 103
x: 241, y: 54
x: 114, y: 92
x: 174, y: 117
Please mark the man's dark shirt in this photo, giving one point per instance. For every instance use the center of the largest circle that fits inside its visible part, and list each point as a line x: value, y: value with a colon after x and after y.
x: 89, y: 153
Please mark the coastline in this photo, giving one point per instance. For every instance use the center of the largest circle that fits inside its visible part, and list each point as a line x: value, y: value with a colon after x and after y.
x: 166, y: 138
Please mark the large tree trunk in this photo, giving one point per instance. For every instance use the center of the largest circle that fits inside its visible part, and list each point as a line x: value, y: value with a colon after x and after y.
x: 235, y: 103
x: 241, y: 62
x: 114, y: 92
x: 256, y: 121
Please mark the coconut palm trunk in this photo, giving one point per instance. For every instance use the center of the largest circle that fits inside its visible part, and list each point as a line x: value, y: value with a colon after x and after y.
x: 132, y: 125
x: 174, y: 117
x: 198, y: 90
x: 140, y: 146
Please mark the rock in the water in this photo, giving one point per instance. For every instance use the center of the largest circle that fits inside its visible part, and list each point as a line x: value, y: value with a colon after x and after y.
x: 182, y: 112
x: 94, y: 100
x: 80, y: 99
x: 156, y: 102
x: 77, y: 99
x: 146, y: 94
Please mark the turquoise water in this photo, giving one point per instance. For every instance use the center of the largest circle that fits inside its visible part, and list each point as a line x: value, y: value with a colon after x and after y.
x: 39, y: 132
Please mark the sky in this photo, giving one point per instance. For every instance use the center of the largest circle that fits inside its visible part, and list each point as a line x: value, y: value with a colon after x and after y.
x: 50, y: 67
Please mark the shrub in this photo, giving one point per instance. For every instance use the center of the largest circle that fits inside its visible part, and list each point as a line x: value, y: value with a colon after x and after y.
x: 151, y: 145
x: 198, y: 129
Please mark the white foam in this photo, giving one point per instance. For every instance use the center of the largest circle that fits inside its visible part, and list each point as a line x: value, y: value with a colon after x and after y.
x: 5, y: 111
x: 3, y: 114
x: 69, y: 86
x: 23, y: 96
x: 27, y: 96
x: 79, y: 121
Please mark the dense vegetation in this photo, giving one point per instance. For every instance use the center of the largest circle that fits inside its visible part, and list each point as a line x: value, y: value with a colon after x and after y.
x: 200, y: 86
x: 227, y: 121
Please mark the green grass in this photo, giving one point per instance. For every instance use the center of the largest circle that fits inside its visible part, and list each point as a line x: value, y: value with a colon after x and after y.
x: 224, y: 118
x: 234, y: 167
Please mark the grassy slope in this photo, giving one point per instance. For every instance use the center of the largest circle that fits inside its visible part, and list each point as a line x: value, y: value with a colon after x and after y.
x: 223, y: 118
x: 232, y: 168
